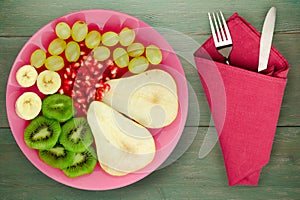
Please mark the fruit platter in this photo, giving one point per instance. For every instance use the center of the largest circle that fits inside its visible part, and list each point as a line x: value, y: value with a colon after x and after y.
x: 97, y: 99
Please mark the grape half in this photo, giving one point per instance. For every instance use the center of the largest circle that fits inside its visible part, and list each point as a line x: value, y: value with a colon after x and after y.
x: 126, y: 36
x: 92, y: 39
x: 63, y: 30
x: 57, y: 46
x: 37, y: 58
x: 138, y: 65
x: 79, y: 31
x: 135, y: 49
x: 121, y: 57
x: 101, y: 53
x: 153, y: 54
x: 54, y: 63
x: 110, y: 38
x: 72, y: 51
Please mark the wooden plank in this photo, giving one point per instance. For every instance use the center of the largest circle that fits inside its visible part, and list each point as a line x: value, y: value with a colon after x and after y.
x: 21, y: 18
x: 187, y: 178
x: 288, y: 44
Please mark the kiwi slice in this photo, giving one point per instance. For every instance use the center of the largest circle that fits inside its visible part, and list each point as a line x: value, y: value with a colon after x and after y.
x: 42, y: 133
x: 57, y: 156
x: 59, y: 107
x: 83, y: 163
x: 76, y: 135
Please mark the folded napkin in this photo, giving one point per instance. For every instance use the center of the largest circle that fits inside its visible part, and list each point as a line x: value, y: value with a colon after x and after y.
x: 245, y: 104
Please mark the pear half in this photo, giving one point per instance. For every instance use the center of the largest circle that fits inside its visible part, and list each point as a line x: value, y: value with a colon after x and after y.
x: 123, y: 146
x: 150, y: 98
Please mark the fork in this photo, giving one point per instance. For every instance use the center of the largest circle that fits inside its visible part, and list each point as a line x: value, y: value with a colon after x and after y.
x: 222, y: 41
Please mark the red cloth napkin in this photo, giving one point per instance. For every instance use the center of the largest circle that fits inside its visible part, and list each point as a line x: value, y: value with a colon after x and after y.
x: 245, y: 104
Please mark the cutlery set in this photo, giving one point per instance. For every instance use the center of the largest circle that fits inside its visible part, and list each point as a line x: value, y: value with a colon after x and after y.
x: 223, y: 42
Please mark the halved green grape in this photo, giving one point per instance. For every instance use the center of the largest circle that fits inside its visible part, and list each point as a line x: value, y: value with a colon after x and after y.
x: 38, y: 58
x: 79, y: 31
x: 101, y: 53
x: 92, y: 39
x: 63, y: 30
x: 57, y: 46
x: 110, y: 38
x: 138, y: 65
x: 135, y: 49
x: 126, y: 36
x: 54, y: 63
x: 153, y: 54
x: 72, y: 51
x: 121, y: 57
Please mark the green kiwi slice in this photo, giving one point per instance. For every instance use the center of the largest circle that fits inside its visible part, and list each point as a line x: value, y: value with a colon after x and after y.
x: 42, y: 133
x: 83, y: 163
x: 76, y: 135
x: 59, y: 107
x: 57, y: 156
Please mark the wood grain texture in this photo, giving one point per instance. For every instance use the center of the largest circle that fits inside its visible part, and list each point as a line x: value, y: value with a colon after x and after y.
x: 188, y: 177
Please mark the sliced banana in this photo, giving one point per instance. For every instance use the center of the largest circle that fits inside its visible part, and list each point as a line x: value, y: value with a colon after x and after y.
x: 26, y: 76
x: 28, y: 105
x: 48, y: 82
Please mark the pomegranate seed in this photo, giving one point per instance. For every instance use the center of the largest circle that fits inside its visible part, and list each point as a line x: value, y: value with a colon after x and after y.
x: 113, y: 70
x: 95, y: 62
x: 68, y: 70
x: 99, y: 66
x: 81, y: 44
x: 73, y: 93
x: 67, y: 82
x: 92, y: 69
x: 77, y: 105
x: 113, y: 76
x: 87, y: 63
x: 91, y: 96
x: 73, y: 76
x: 88, y: 83
x: 109, y: 62
x: 61, y: 91
x: 76, y: 85
x: 81, y: 101
x: 106, y: 87
x: 89, y: 58
x: 75, y: 65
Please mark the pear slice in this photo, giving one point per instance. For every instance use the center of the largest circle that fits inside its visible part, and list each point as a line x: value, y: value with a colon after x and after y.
x: 112, y: 171
x: 150, y: 98
x: 123, y: 146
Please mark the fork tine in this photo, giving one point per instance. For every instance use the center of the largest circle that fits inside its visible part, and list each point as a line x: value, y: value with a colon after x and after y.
x: 212, y: 29
x: 226, y: 28
x: 221, y: 27
x: 218, y: 28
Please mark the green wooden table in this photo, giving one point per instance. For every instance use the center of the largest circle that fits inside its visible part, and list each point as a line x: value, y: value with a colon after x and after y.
x: 188, y: 177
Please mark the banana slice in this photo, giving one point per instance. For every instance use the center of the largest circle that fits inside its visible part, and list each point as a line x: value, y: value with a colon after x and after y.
x: 48, y: 82
x: 28, y: 105
x: 26, y: 76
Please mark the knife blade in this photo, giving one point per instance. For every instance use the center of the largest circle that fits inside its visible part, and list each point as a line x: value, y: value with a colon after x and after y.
x: 266, y: 39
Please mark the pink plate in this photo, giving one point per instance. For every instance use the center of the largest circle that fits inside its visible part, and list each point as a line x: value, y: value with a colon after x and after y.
x: 165, y: 138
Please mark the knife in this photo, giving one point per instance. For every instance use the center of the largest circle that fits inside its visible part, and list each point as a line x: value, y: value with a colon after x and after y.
x: 266, y: 39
